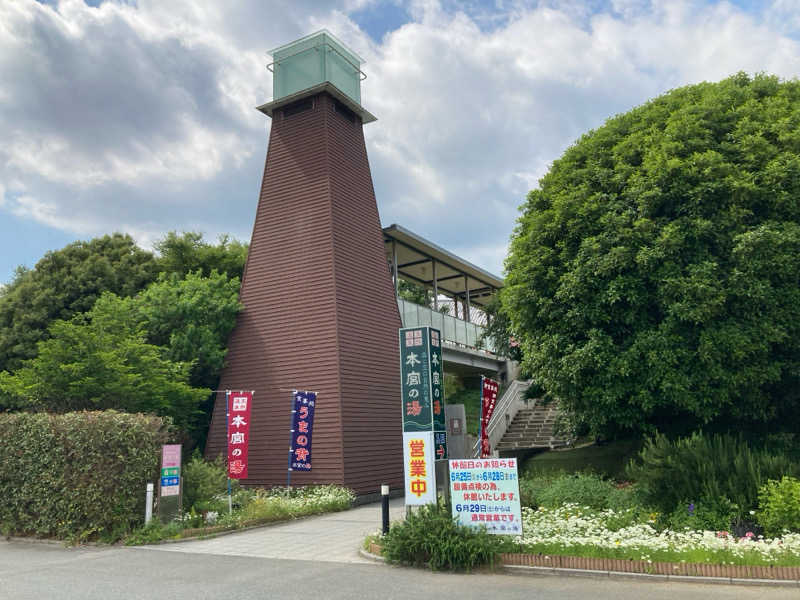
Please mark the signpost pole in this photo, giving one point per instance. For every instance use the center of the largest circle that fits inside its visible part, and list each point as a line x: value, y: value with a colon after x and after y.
x: 385, y: 509
x: 148, y: 504
x: 228, y: 436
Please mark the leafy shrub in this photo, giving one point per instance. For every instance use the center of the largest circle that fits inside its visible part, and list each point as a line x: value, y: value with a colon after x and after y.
x: 204, y: 484
x: 698, y: 516
x: 154, y: 532
x: 585, y: 489
x: 77, y: 475
x: 705, y: 470
x: 431, y: 536
x: 531, y: 486
x: 779, y: 503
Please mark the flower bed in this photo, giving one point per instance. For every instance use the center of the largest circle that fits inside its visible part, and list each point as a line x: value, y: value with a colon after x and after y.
x: 251, y: 508
x: 626, y: 541
x: 572, y: 530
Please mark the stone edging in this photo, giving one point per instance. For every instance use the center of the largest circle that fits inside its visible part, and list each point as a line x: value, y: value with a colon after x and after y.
x: 48, y: 541
x: 615, y: 568
x: 663, y: 569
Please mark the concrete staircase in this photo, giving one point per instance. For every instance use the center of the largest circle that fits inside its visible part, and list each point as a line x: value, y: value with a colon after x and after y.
x: 532, y: 428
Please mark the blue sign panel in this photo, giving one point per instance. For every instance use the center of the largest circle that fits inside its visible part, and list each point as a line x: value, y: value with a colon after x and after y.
x: 302, y: 426
x: 168, y: 481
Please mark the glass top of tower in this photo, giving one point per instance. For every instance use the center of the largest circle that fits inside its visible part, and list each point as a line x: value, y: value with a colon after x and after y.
x: 313, y: 60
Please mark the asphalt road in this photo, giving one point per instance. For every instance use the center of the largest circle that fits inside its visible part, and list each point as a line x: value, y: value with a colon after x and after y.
x: 41, y: 572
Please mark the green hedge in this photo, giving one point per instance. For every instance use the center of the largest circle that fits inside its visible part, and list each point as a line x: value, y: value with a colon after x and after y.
x: 76, y: 476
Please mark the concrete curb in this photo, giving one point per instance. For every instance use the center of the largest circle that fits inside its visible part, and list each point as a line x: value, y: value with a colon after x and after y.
x: 32, y: 540
x: 370, y: 556
x: 619, y: 575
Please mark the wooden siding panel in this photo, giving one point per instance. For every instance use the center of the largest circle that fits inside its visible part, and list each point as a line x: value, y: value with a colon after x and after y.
x: 285, y: 336
x: 367, y: 318
x: 319, y: 316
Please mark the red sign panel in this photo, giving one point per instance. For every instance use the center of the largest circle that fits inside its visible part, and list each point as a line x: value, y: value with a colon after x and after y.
x: 489, y: 388
x: 238, y: 433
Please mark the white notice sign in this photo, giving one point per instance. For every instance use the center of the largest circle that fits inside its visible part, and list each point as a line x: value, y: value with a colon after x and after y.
x: 485, y: 493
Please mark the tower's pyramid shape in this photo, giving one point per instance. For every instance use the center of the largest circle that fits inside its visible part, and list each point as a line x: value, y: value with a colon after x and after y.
x: 319, y: 307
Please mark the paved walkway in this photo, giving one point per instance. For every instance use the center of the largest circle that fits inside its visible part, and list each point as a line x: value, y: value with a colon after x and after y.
x: 333, y: 537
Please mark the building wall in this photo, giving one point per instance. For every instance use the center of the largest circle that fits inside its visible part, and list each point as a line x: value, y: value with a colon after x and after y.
x: 319, y: 311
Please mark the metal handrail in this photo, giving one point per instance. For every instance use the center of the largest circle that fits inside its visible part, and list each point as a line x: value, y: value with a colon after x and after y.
x: 361, y: 73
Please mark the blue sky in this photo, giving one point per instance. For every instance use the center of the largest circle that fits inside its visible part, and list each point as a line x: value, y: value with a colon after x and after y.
x: 139, y: 116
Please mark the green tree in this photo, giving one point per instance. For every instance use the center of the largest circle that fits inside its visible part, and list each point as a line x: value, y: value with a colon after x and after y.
x: 101, y: 360
x: 498, y: 330
x: 192, y: 318
x: 654, y: 275
x: 188, y: 253
x: 413, y: 292
x: 65, y: 283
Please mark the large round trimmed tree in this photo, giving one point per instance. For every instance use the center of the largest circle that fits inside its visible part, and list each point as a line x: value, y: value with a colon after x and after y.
x: 654, y: 276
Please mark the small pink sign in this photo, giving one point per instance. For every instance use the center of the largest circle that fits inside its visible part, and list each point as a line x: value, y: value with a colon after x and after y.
x: 171, y: 455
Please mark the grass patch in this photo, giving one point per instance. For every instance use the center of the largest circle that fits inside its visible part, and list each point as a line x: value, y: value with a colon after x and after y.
x: 608, y: 459
x: 471, y: 399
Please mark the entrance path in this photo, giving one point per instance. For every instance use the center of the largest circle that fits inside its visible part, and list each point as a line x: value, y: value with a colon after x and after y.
x: 332, y: 537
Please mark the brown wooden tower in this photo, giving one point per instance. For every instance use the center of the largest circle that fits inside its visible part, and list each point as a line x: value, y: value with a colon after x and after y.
x: 320, y: 312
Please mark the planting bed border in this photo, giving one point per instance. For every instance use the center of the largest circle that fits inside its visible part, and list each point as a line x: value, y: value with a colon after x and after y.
x: 611, y: 567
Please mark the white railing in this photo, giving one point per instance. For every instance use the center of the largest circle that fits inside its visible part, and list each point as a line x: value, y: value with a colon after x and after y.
x: 507, y: 408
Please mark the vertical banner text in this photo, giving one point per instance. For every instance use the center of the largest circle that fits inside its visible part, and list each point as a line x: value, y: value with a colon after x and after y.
x: 238, y: 433
x: 302, y: 427
x: 489, y: 388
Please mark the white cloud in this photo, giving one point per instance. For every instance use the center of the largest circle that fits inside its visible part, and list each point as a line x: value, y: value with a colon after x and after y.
x: 139, y: 117
x: 470, y: 119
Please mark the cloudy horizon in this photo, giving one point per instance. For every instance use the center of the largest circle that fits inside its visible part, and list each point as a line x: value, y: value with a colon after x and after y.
x: 139, y: 116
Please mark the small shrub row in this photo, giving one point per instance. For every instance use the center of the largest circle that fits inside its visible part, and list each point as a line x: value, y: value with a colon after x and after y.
x: 77, y: 476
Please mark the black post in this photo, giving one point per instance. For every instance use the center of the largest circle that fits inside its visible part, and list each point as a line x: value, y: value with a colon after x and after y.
x: 385, y: 507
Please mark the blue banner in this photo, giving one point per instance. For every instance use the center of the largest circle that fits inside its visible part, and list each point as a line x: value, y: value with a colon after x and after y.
x: 302, y: 426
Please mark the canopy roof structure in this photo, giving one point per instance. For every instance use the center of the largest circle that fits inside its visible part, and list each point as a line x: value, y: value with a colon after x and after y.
x: 416, y: 259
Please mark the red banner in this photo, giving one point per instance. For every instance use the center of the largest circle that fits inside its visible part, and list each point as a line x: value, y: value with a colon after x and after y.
x: 489, y: 388
x: 238, y: 432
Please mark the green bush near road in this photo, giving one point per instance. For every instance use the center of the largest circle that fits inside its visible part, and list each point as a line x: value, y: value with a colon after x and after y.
x: 430, y: 536
x: 77, y: 476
